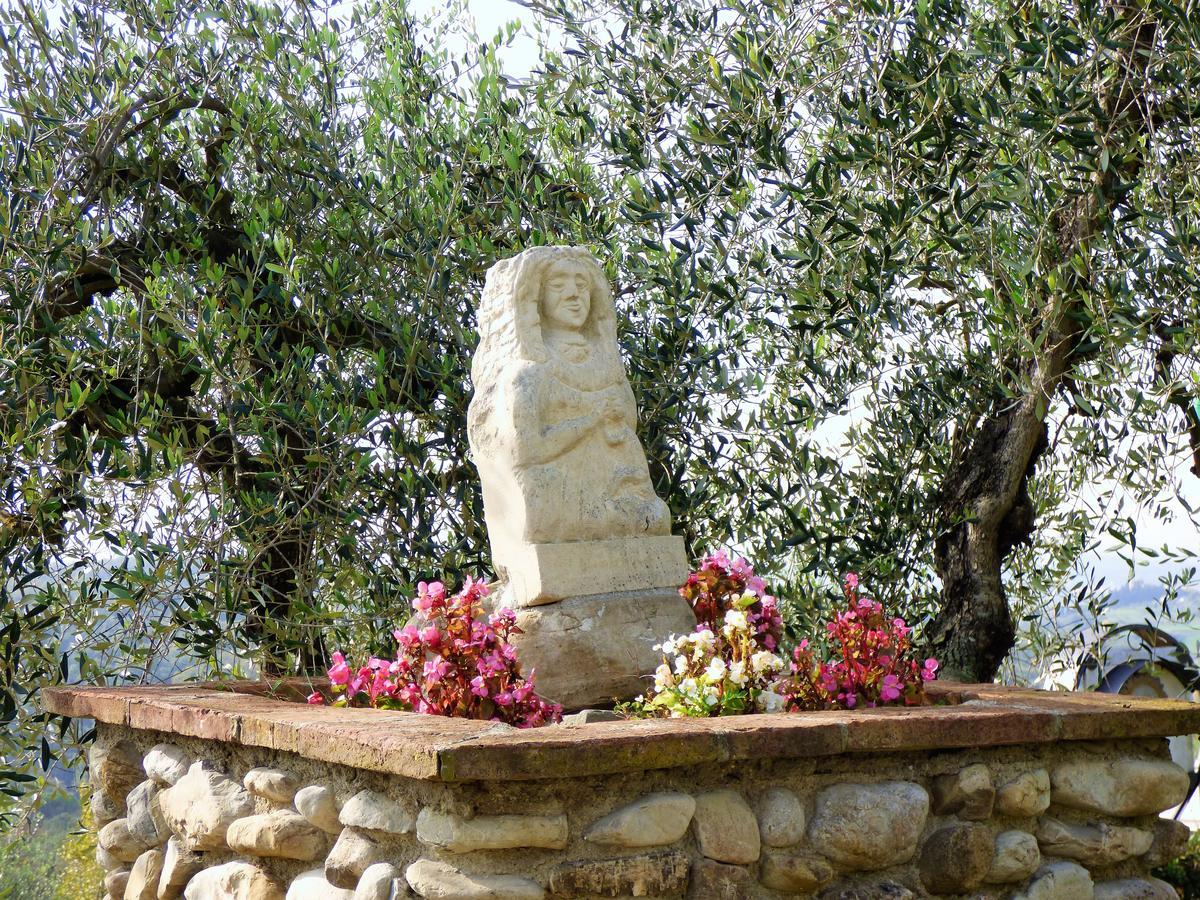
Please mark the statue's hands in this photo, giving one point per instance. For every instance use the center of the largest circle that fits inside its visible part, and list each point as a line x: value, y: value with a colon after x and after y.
x: 612, y: 412
x: 612, y: 419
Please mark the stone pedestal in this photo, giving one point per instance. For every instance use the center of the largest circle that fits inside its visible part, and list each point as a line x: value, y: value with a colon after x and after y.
x: 535, y: 574
x: 590, y: 650
x: 835, y: 805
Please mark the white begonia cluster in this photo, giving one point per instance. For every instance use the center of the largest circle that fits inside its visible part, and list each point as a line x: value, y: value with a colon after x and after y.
x: 694, y: 676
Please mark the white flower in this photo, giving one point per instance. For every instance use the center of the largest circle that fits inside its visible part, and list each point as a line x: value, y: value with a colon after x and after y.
x: 716, y: 669
x: 711, y: 695
x: 737, y: 672
x: 765, y: 661
x: 688, y: 685
x: 705, y: 639
x: 735, y: 618
x: 681, y: 665
x: 668, y: 646
x: 770, y: 702
x: 663, y: 677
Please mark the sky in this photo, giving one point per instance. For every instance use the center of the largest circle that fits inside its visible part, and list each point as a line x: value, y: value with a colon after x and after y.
x: 519, y: 57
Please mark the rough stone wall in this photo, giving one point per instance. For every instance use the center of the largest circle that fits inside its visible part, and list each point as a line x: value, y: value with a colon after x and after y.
x: 204, y: 820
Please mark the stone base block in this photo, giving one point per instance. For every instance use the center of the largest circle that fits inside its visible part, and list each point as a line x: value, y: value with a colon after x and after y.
x: 590, y: 650
x: 535, y: 574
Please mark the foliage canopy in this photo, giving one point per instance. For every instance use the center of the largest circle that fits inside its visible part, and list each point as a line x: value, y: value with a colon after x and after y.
x: 902, y: 284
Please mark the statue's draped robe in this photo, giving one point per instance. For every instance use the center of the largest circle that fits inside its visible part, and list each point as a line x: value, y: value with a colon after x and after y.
x: 570, y: 477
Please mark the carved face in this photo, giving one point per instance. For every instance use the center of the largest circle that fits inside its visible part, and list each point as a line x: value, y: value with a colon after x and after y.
x: 566, y: 295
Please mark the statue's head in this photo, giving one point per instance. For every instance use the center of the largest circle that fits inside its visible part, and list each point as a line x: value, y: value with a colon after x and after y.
x: 563, y: 286
x: 566, y: 297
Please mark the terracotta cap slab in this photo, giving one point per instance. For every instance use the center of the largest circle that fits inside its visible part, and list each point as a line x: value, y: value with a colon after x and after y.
x: 443, y: 749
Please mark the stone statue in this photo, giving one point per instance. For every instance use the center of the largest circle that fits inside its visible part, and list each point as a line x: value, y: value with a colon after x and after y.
x: 569, y: 505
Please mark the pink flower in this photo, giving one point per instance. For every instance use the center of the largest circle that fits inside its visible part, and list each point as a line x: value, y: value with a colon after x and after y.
x: 377, y: 681
x: 315, y: 699
x: 446, y: 661
x: 434, y: 590
x: 435, y: 670
x: 491, y: 664
x: 890, y: 689
x: 503, y: 616
x: 873, y: 664
x: 851, y: 581
x: 339, y: 672
x: 718, y: 560
x: 474, y: 587
x: 409, y: 693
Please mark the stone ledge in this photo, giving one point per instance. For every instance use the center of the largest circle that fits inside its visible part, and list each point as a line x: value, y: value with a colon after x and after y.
x: 432, y: 748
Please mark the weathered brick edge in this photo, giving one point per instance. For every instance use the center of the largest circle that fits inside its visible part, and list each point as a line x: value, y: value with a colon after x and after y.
x: 441, y: 749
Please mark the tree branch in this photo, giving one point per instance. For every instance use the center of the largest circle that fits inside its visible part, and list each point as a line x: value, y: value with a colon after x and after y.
x: 1163, y: 358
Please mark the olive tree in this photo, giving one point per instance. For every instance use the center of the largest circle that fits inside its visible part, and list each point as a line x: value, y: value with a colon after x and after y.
x: 240, y: 253
x: 966, y: 229
x: 898, y: 283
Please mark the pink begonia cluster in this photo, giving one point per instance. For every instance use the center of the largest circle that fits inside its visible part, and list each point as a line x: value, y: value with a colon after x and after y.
x: 453, y: 660
x: 872, y: 662
x: 718, y: 583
